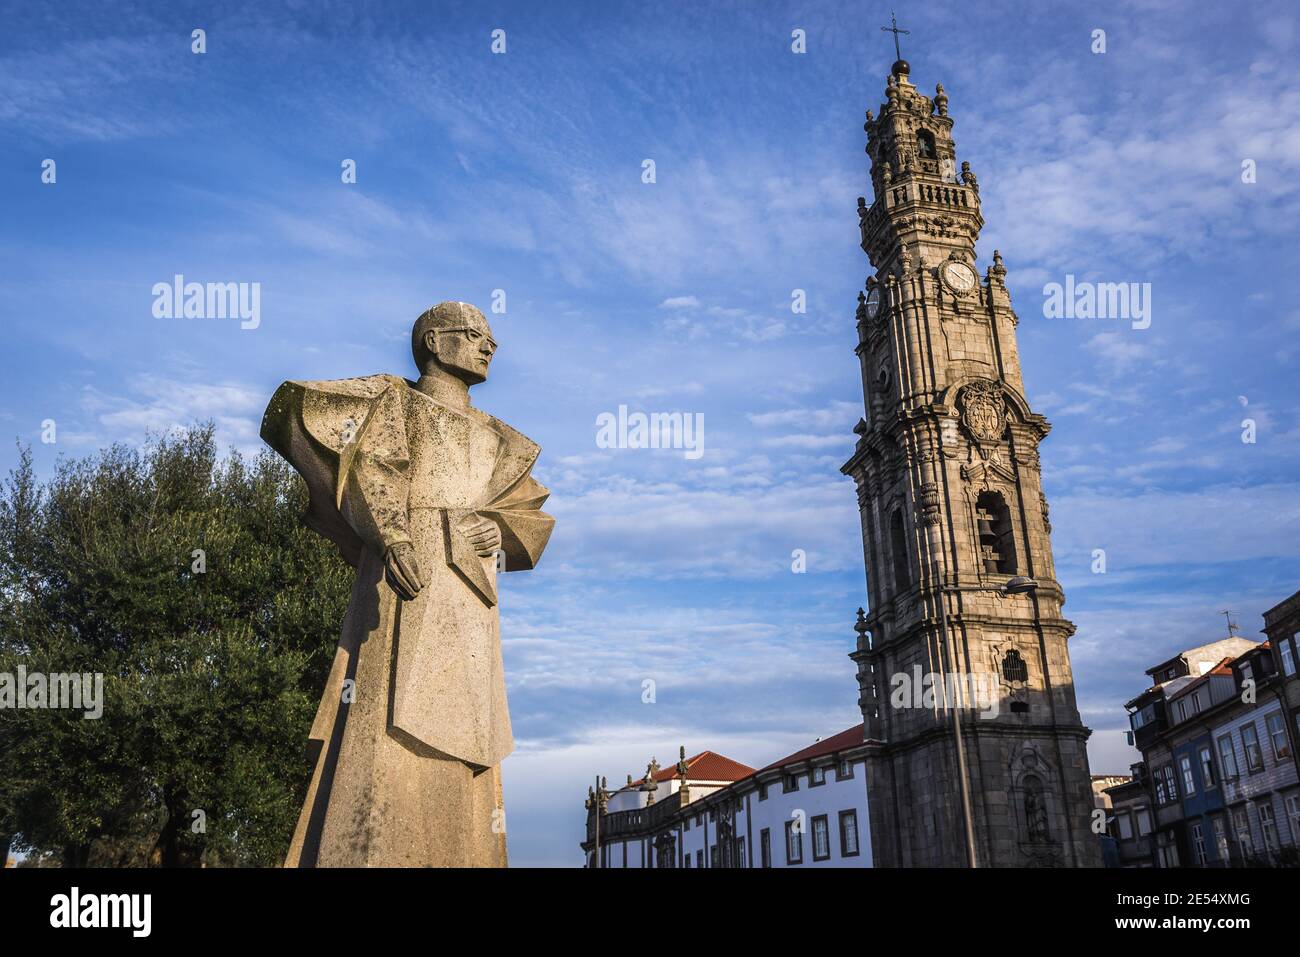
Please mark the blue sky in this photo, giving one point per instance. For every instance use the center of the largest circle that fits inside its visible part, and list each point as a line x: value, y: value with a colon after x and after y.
x: 522, y: 172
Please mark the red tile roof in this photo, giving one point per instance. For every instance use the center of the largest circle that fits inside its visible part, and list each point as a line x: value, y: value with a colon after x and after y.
x: 850, y: 738
x: 711, y: 766
x: 705, y: 766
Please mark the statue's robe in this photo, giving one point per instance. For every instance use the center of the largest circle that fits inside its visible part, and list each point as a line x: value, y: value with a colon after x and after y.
x: 412, y: 727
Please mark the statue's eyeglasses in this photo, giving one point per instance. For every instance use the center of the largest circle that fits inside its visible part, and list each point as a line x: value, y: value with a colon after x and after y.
x: 473, y: 335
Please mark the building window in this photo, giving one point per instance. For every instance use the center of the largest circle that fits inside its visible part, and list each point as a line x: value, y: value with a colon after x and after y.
x: 1250, y: 742
x: 1014, y: 667
x: 1035, y: 811
x: 1124, y: 825
x: 686, y: 861
x: 1196, y: 702
x: 740, y: 852
x: 1189, y: 782
x: 1182, y: 709
x: 1166, y: 787
x: 821, y: 832
x: 1207, y: 767
x: 1277, y: 734
x: 687, y: 826
x: 848, y: 833
x: 1288, y: 657
x: 845, y: 771
x: 997, y: 544
x: 1144, y: 822
x: 816, y: 776
x: 1293, y: 815
x: 699, y: 859
x: 1221, y: 839
x: 1241, y: 825
x: 765, y: 846
x: 714, y: 856
x: 793, y: 842
x: 762, y: 792
x: 1198, y: 845
x: 898, y: 546
x: 1268, y: 827
x: 1166, y: 849
x: 1227, y: 758
x: 790, y: 783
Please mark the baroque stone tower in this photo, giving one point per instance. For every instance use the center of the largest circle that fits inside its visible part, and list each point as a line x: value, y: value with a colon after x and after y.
x: 952, y: 507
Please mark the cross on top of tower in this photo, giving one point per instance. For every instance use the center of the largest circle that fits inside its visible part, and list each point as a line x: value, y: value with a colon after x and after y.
x: 898, y: 53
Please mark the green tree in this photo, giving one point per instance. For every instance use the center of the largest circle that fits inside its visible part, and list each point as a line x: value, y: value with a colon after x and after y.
x: 190, y: 582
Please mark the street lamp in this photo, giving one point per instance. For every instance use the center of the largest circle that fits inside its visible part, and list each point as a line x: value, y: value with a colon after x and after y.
x: 1017, y: 585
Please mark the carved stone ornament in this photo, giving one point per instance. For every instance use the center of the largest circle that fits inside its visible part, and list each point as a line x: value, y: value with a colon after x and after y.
x: 929, y: 504
x: 984, y: 411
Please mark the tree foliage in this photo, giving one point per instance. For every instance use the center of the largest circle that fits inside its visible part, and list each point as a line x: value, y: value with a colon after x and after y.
x: 211, y: 670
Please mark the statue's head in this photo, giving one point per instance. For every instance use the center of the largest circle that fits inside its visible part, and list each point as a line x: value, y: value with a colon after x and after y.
x: 454, y: 337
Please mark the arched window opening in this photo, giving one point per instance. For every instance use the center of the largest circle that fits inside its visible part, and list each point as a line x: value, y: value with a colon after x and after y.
x: 925, y: 145
x: 997, y: 543
x: 898, y: 546
x: 1014, y: 667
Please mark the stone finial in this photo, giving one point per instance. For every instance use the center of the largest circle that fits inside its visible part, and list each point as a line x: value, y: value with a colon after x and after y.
x: 681, y: 762
x: 968, y: 178
x: 940, y: 99
x: 997, y: 272
x: 870, y: 119
x: 861, y: 313
x: 860, y: 626
x: 888, y: 174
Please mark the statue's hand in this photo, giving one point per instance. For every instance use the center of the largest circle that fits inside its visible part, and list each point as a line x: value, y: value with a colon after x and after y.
x: 402, y: 572
x: 484, y: 536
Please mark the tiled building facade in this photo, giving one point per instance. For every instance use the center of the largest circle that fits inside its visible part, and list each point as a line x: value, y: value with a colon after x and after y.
x: 1220, y: 779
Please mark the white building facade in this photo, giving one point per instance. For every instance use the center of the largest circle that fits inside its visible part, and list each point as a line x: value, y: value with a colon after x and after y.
x: 809, y: 809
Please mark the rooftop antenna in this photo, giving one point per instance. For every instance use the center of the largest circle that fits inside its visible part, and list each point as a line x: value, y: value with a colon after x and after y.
x: 1233, y: 632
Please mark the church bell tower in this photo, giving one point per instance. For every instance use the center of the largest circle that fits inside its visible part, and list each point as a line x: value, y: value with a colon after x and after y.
x: 977, y: 753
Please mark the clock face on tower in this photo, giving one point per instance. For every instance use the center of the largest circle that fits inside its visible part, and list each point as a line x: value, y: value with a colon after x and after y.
x: 959, y: 277
x: 873, y: 302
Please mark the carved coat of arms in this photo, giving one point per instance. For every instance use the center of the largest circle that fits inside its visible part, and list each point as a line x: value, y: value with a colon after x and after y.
x: 984, y: 410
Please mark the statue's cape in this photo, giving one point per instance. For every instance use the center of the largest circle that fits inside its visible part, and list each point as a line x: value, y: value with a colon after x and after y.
x: 321, y: 427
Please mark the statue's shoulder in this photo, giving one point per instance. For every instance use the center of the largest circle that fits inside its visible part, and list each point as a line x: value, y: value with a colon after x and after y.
x: 360, y: 387
x: 329, y: 410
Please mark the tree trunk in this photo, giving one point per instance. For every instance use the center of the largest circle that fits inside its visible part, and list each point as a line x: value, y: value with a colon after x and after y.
x: 171, y: 848
x: 76, y: 855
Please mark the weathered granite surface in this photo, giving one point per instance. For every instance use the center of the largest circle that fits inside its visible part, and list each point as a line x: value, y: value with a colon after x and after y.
x: 428, y: 498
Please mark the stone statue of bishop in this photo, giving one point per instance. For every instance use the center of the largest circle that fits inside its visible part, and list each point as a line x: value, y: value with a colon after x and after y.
x: 428, y: 498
